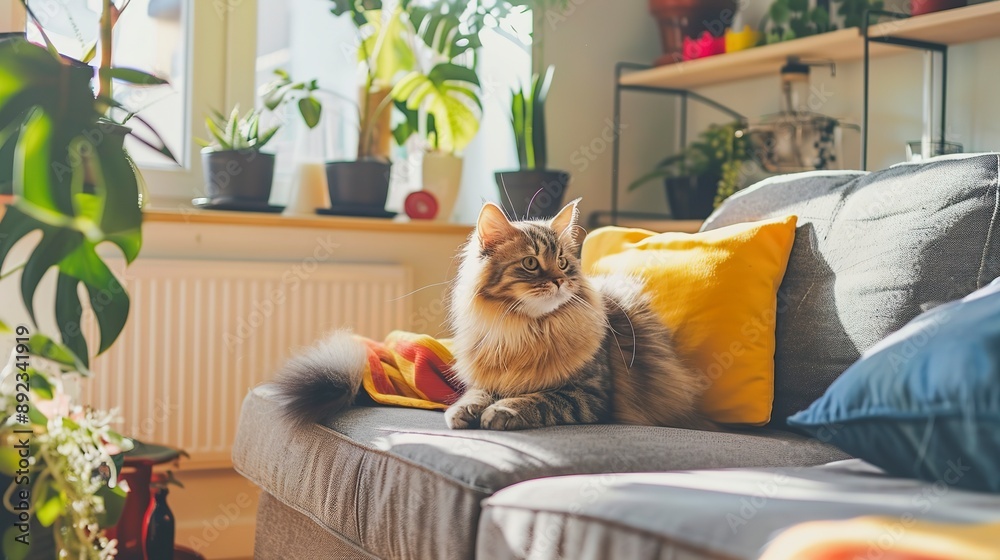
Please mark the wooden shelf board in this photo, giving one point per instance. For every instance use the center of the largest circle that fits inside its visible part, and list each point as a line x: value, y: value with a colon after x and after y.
x: 197, y: 216
x: 951, y: 27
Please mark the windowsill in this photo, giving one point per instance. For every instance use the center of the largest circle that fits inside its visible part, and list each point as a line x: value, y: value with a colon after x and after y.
x: 257, y: 219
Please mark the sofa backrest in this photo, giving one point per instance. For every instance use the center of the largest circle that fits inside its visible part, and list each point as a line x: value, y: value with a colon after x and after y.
x: 872, y: 250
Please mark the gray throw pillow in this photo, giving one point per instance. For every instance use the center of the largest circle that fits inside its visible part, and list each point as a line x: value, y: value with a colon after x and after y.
x: 872, y: 250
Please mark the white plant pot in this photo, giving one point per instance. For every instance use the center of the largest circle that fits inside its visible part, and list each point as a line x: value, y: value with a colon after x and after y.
x: 309, y: 190
x: 442, y: 177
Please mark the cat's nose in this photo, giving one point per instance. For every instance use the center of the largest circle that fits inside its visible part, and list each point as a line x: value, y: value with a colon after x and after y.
x: 558, y: 281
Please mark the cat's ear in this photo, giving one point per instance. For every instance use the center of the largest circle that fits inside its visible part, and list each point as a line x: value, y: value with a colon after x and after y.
x: 566, y: 224
x: 493, y: 226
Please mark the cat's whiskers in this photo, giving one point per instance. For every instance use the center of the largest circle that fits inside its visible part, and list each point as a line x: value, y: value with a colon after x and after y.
x: 503, y: 184
x: 532, y: 201
x: 629, y: 319
x: 420, y: 290
x: 576, y: 298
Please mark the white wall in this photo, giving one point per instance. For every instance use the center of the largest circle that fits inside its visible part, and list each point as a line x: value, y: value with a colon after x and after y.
x: 585, y: 41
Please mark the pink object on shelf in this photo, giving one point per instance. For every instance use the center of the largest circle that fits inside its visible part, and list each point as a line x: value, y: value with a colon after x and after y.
x: 706, y: 45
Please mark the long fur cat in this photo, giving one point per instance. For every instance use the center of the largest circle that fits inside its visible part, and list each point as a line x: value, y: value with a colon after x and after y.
x: 537, y: 343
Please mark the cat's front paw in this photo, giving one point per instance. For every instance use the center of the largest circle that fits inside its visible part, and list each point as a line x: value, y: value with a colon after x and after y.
x: 463, y: 416
x: 465, y: 413
x: 501, y: 417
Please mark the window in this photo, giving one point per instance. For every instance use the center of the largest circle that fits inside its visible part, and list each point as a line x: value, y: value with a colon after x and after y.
x: 216, y: 53
x: 150, y: 35
x: 304, y: 38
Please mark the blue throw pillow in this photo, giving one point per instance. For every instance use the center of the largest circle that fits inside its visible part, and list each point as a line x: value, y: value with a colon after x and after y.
x: 924, y: 402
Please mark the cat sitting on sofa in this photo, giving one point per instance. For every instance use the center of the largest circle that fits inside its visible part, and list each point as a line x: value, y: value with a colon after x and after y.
x: 537, y: 343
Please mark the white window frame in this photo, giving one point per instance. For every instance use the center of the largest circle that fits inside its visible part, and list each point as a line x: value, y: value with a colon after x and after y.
x: 12, y: 17
x: 221, y: 50
x: 220, y: 69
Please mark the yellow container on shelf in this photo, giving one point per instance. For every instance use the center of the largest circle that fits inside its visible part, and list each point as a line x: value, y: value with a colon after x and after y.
x: 741, y: 40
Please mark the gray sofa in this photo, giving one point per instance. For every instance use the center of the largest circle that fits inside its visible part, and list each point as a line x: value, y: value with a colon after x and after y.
x: 871, y: 251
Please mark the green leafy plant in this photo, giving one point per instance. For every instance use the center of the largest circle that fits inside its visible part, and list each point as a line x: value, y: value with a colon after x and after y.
x: 74, y: 183
x: 284, y: 89
x: 853, y: 10
x: 384, y: 52
x: 720, y: 151
x: 447, y: 98
x: 527, y: 111
x: 792, y: 19
x: 441, y: 104
x: 236, y: 132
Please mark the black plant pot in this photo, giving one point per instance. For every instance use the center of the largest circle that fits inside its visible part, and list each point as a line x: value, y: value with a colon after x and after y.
x: 238, y: 175
x: 532, y: 194
x: 692, y: 197
x: 358, y: 184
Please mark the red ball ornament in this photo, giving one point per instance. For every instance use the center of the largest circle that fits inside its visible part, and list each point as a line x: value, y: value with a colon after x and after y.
x: 421, y: 205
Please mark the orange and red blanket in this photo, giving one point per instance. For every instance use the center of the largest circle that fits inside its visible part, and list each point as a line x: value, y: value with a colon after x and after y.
x: 411, y: 370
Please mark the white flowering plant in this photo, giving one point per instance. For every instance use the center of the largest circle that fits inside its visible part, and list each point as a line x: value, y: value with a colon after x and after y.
x: 61, y: 459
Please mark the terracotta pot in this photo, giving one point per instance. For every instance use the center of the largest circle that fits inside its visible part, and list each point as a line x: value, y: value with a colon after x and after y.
x: 918, y: 7
x: 689, y: 18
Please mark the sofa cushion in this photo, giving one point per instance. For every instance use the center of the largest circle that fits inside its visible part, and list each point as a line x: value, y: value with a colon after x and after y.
x: 871, y: 251
x: 924, y: 402
x: 703, y: 514
x: 709, y: 289
x: 399, y: 484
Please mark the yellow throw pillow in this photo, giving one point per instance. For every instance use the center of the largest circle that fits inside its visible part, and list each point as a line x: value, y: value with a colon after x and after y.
x: 717, y: 290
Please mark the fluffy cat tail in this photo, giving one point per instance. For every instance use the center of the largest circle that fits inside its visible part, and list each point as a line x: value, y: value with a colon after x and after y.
x: 323, y: 380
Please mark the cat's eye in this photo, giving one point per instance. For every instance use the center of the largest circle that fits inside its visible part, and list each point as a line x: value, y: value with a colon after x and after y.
x: 529, y: 263
x: 563, y: 263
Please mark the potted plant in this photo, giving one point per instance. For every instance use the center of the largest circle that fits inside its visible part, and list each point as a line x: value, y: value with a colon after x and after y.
x: 75, y: 184
x: 440, y: 105
x: 793, y: 19
x: 703, y: 175
x: 678, y: 19
x: 236, y: 170
x: 533, y: 191
x: 361, y: 186
x: 383, y: 53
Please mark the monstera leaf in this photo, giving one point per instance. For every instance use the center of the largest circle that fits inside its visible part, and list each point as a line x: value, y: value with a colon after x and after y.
x: 74, y: 183
x: 440, y: 28
x: 449, y: 94
x: 385, y: 48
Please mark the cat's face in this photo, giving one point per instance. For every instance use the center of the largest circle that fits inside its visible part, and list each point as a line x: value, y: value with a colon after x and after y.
x: 529, y: 268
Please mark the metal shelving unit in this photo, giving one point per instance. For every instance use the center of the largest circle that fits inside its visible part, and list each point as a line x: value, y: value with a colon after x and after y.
x: 932, y: 33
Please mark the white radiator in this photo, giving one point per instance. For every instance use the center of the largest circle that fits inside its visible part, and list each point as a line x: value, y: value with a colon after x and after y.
x: 202, y: 333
